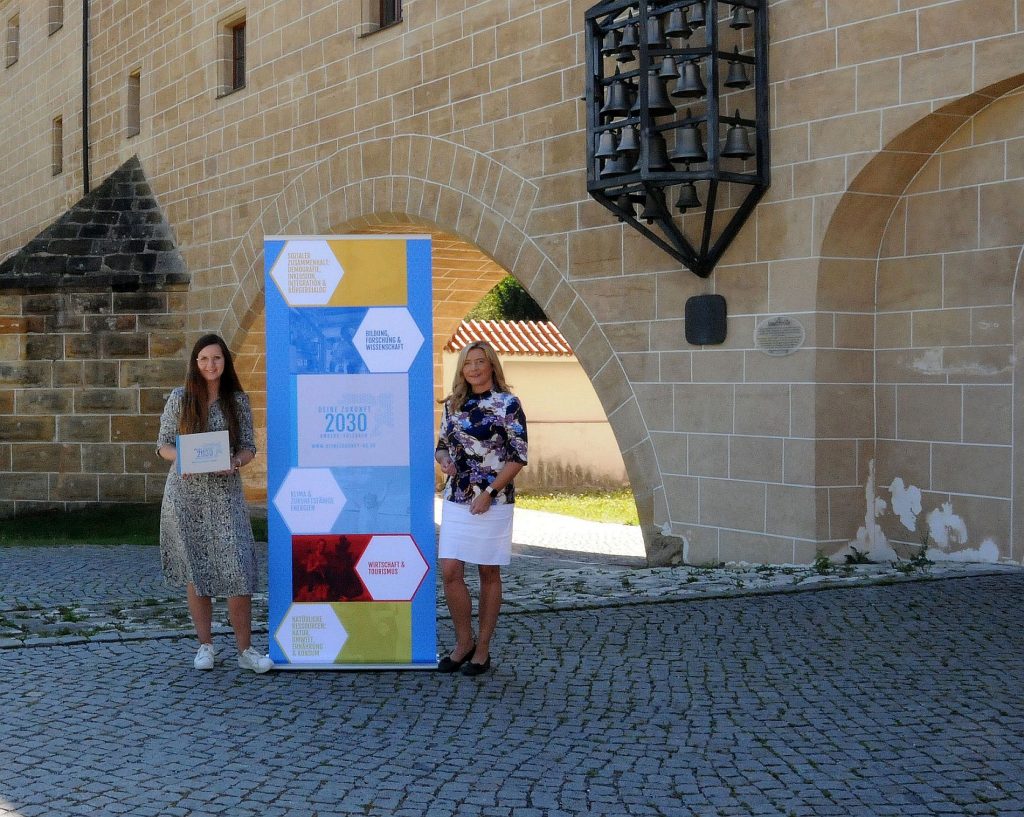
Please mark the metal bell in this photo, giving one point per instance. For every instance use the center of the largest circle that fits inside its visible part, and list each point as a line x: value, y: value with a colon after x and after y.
x: 624, y: 203
x: 657, y: 158
x: 737, y: 77
x: 617, y: 103
x: 653, y: 206
x: 740, y: 17
x: 629, y: 143
x: 687, y: 197
x: 616, y: 166
x: 697, y: 14
x: 668, y: 69
x: 737, y: 143
x: 610, y: 43
x: 628, y: 42
x: 677, y: 25
x: 657, y: 100
x: 689, y: 147
x: 606, y: 145
x: 690, y: 84
x: 655, y: 33
x: 657, y: 154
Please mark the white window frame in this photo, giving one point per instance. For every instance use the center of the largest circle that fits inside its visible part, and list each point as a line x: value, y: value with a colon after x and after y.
x: 374, y: 17
x: 133, y: 105
x: 226, y: 75
x: 13, y: 41
x: 55, y: 17
x: 57, y: 150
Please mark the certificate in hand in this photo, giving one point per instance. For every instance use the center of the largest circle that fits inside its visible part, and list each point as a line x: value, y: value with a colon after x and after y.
x: 203, y: 453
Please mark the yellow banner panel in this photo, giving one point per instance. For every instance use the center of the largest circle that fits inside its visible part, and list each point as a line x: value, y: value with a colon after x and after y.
x: 379, y: 632
x: 375, y: 273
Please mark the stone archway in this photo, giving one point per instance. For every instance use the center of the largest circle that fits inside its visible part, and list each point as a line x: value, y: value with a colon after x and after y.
x: 1017, y: 496
x: 921, y: 242
x: 462, y: 275
x: 423, y: 183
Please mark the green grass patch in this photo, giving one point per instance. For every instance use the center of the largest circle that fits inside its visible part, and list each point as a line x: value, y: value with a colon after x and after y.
x: 140, y: 524
x: 595, y: 506
x: 113, y: 525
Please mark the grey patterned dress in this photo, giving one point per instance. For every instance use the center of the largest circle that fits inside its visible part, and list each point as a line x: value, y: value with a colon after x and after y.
x: 205, y: 532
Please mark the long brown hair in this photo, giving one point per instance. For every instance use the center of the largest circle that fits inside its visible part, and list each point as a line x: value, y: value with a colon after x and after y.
x: 460, y: 386
x: 194, y: 408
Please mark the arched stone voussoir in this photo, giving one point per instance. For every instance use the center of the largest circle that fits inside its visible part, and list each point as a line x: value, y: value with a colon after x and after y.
x: 414, y: 183
x: 859, y: 220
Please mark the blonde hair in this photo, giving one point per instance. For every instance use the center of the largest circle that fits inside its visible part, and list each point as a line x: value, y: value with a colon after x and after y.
x: 460, y: 387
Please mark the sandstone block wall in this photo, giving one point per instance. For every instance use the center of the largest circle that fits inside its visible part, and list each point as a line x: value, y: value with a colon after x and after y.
x: 466, y: 120
x: 84, y: 375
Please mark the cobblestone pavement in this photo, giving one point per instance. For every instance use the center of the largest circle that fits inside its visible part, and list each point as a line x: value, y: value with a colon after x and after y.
x: 69, y: 595
x: 615, y: 691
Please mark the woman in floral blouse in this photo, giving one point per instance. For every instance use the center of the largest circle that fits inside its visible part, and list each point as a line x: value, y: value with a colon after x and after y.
x: 481, y: 447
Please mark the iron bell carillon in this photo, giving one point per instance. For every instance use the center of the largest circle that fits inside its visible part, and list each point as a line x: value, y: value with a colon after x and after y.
x: 664, y: 153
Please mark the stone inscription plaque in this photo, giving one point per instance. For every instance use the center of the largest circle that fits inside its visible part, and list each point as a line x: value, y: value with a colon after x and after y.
x: 779, y: 336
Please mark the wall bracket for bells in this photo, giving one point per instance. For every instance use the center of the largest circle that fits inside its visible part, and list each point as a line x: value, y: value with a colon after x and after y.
x: 675, y: 91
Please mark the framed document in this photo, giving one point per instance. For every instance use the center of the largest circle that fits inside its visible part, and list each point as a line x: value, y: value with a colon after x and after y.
x: 203, y: 453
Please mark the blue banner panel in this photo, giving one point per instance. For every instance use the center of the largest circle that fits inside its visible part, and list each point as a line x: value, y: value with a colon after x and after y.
x: 350, y: 468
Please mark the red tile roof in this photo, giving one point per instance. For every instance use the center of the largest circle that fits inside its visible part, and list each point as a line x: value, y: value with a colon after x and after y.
x: 512, y: 337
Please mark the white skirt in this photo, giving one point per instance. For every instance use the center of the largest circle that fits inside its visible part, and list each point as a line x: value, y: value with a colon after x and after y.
x: 483, y: 539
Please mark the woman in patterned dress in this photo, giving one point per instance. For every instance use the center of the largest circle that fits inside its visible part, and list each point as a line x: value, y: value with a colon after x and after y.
x: 481, y: 447
x: 206, y: 541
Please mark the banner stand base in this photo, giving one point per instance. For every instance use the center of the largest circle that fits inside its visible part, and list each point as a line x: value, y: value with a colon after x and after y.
x: 356, y: 667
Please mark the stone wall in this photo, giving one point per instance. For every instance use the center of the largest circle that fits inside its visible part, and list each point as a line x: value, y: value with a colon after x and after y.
x: 92, y: 338
x: 465, y: 119
x: 45, y: 82
x: 947, y: 272
x: 84, y: 376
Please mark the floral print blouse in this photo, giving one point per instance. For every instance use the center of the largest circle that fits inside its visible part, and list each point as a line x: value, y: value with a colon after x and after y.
x: 487, y: 432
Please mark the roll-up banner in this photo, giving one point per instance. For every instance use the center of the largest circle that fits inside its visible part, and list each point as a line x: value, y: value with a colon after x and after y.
x: 350, y: 469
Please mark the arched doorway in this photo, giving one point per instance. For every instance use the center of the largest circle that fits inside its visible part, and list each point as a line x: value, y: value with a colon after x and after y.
x: 462, y: 274
x: 414, y: 184
x: 927, y: 240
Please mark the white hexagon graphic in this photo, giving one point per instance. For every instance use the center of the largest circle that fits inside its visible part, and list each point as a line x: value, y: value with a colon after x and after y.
x: 309, y: 500
x: 392, y: 568
x: 311, y: 634
x: 388, y: 339
x: 307, y: 273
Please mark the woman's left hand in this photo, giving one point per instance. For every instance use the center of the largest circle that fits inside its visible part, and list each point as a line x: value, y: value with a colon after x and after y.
x: 235, y: 465
x: 481, y: 503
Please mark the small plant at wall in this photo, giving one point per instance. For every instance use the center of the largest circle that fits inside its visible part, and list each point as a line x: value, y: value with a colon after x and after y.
x: 919, y: 558
x: 857, y: 557
x: 822, y: 564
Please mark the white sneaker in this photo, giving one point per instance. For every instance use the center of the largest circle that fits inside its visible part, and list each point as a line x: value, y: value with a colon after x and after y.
x: 206, y: 657
x: 251, y: 659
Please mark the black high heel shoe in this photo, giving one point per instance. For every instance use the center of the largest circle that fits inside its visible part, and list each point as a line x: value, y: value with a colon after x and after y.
x: 449, y: 664
x: 472, y: 669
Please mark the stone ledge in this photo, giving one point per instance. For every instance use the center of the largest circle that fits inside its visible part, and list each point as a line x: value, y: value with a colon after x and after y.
x: 117, y: 281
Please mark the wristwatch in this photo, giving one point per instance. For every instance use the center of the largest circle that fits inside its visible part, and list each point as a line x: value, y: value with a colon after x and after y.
x: 491, y: 491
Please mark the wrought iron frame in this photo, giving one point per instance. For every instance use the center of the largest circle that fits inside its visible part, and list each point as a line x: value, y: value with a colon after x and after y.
x: 645, y: 183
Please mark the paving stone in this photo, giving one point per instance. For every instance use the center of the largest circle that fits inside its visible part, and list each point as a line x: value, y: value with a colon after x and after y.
x: 810, y: 703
